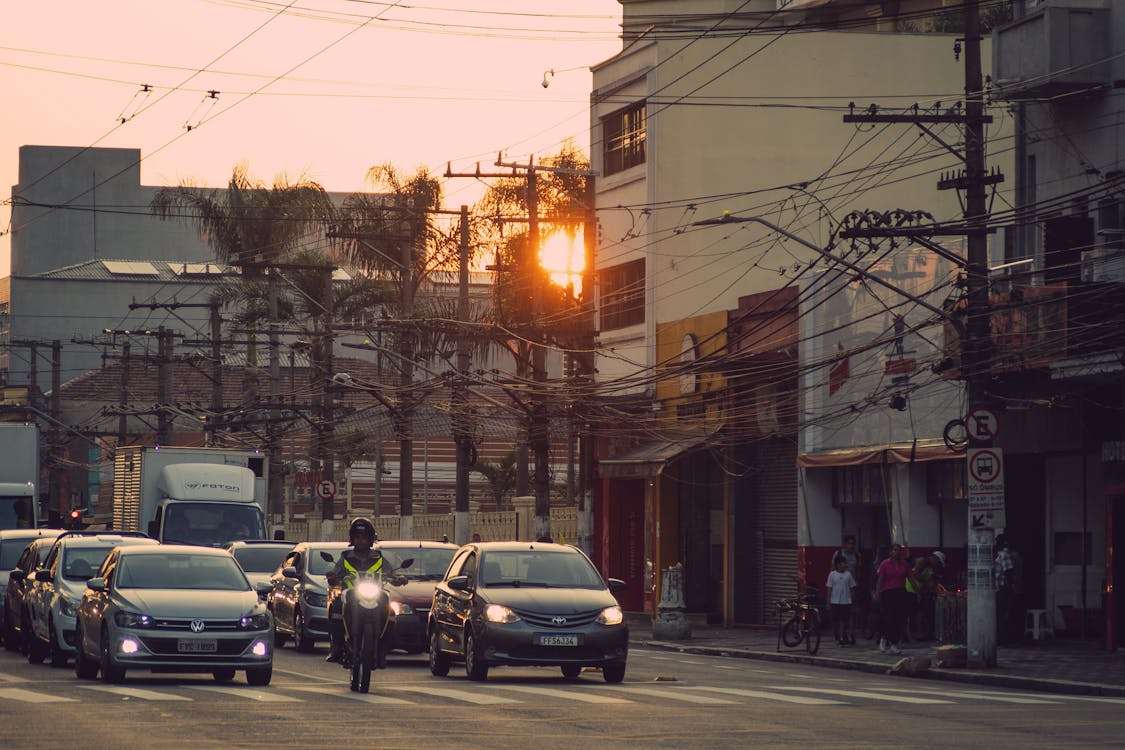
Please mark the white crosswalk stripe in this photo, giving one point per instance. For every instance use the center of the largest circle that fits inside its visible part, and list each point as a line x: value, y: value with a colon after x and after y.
x: 263, y: 696
x: 971, y: 695
x: 742, y: 693
x: 481, y: 699
x: 572, y: 695
x: 31, y: 696
x: 10, y: 678
x: 139, y: 693
x: 343, y: 692
x: 847, y: 693
x: 672, y: 693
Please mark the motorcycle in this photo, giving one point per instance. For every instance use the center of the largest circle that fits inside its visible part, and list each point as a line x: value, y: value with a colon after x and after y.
x: 367, y: 612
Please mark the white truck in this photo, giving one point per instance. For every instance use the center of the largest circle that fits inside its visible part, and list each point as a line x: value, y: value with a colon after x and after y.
x: 204, y: 496
x: 19, y: 475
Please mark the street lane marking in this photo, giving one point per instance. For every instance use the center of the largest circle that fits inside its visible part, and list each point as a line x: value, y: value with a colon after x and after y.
x: 140, y: 693
x: 30, y: 696
x: 249, y: 693
x: 576, y: 695
x: 861, y: 694
x: 1091, y: 698
x: 11, y: 678
x: 986, y: 696
x: 676, y: 694
x: 342, y: 693
x: 455, y: 694
x: 803, y: 700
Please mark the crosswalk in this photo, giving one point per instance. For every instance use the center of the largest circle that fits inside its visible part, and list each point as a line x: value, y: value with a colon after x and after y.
x: 586, y: 692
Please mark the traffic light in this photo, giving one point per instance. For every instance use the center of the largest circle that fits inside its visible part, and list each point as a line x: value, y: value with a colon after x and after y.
x: 75, y: 521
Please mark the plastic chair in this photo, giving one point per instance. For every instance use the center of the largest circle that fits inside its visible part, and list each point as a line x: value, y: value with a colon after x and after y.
x: 1038, y: 624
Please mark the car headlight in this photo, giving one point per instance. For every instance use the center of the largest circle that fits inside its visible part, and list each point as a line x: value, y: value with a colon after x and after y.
x: 132, y: 620
x: 401, y: 608
x: 67, y: 606
x: 610, y: 616
x: 500, y: 613
x: 260, y: 621
x: 314, y: 599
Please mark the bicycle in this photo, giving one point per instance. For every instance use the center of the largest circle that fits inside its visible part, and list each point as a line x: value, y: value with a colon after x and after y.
x: 803, y: 623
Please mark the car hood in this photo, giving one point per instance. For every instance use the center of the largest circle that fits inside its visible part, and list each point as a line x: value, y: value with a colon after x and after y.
x: 414, y: 593
x: 256, y: 578
x: 183, y: 604
x: 549, y: 600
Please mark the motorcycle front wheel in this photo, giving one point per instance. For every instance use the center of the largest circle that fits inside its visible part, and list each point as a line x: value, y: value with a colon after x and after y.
x: 363, y: 658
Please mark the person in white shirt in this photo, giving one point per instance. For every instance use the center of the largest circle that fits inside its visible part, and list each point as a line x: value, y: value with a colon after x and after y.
x: 841, y: 587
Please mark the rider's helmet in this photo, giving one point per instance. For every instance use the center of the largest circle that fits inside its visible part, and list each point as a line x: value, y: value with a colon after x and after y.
x: 361, y: 525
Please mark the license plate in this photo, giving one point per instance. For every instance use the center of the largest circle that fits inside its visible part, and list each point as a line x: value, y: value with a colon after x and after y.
x: 198, y: 646
x: 558, y: 640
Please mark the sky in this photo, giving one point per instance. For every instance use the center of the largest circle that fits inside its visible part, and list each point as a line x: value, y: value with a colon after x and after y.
x: 322, y: 89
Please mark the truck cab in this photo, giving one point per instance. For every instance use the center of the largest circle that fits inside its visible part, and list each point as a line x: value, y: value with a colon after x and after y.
x: 206, y: 504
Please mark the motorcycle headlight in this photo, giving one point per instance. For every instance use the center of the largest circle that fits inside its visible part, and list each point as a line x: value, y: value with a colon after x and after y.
x: 132, y: 620
x: 500, y: 613
x: 368, y: 589
x: 314, y: 599
x: 67, y: 606
x: 610, y: 616
x: 259, y: 621
x: 401, y: 608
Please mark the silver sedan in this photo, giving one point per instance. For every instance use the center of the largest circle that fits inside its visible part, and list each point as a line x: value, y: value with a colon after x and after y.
x: 173, y: 608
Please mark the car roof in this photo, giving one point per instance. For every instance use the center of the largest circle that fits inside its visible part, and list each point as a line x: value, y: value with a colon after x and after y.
x: 259, y: 543
x: 523, y: 547
x: 324, y: 545
x: 101, y: 540
x: 415, y: 544
x: 29, y: 534
x: 173, y: 549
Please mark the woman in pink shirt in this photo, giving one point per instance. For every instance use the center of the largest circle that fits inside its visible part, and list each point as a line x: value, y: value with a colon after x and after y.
x: 890, y: 592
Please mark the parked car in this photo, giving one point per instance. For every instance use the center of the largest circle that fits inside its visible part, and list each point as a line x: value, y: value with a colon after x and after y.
x: 410, y: 601
x: 299, y: 597
x: 13, y: 542
x: 172, y: 608
x: 524, y: 603
x: 56, y: 588
x: 259, y: 558
x: 34, y: 549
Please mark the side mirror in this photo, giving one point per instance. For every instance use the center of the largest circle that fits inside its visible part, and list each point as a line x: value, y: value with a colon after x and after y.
x: 44, y: 576
x: 458, y: 583
x: 405, y: 563
x: 616, y: 585
x: 96, y: 584
x: 290, y: 572
x: 327, y: 557
x: 17, y: 575
x: 263, y: 587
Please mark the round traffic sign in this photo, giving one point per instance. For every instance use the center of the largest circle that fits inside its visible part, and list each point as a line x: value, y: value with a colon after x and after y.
x: 985, y: 465
x: 326, y: 489
x: 982, y: 424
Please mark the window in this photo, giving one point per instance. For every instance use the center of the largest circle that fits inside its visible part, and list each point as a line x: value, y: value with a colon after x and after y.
x: 623, y: 295
x: 624, y: 134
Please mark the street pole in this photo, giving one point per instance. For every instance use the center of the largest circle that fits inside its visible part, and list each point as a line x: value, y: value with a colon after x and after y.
x: 274, y: 475
x: 538, y: 435
x: 981, y: 625
x: 460, y: 406
x: 404, y: 417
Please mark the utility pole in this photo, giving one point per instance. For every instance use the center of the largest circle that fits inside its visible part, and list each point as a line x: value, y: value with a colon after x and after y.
x: 217, y: 377
x: 461, y: 434
x: 164, y: 385
x: 273, y: 440
x: 584, y: 361
x: 538, y: 434
x: 123, y: 417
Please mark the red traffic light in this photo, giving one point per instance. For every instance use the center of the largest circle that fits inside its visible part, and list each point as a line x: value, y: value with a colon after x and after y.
x: 75, y: 514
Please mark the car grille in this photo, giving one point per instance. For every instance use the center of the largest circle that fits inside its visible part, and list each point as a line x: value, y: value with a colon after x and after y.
x: 544, y: 620
x: 169, y: 647
x: 221, y: 626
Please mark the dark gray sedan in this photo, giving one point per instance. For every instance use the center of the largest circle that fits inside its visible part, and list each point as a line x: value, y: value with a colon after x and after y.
x: 173, y: 608
x: 523, y: 603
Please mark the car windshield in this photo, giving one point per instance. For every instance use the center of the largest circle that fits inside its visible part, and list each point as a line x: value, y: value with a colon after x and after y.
x: 318, y: 565
x: 211, y: 524
x: 429, y: 563
x: 82, y: 564
x: 538, y: 568
x: 180, y: 571
x: 260, y: 559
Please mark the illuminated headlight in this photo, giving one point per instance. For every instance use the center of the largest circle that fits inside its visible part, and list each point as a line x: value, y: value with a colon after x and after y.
x: 610, y: 616
x: 500, y: 613
x: 401, y: 608
x: 67, y: 607
x: 260, y: 621
x: 368, y: 589
x: 260, y: 648
x: 129, y: 646
x: 132, y: 620
x: 314, y: 599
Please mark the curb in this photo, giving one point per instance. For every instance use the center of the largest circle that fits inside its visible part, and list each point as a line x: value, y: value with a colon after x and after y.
x: 937, y: 674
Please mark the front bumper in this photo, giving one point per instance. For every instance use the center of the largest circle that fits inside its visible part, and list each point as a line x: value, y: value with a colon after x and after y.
x: 134, y: 648
x: 515, y: 644
x: 408, y: 632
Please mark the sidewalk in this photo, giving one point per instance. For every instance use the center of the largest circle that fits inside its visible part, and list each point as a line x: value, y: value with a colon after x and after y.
x: 1060, y: 666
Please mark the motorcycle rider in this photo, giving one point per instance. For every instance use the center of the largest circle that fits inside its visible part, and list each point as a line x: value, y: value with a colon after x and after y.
x: 361, y: 558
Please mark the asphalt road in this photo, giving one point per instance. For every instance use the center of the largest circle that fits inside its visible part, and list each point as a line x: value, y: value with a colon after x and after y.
x: 667, y: 700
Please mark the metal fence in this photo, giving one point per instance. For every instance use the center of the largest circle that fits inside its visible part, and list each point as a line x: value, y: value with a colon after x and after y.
x: 950, y: 617
x: 492, y: 526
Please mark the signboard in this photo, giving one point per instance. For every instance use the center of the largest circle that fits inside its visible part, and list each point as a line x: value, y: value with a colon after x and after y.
x: 326, y: 489
x: 985, y: 488
x: 982, y: 425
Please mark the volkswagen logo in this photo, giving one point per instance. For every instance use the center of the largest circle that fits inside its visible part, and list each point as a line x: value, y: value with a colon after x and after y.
x: 558, y: 620
x: 197, y: 626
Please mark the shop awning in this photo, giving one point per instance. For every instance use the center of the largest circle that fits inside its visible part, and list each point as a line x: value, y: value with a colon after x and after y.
x: 901, y: 453
x: 646, y: 460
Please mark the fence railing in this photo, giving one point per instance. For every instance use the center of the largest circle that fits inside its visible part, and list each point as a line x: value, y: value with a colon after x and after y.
x: 492, y: 526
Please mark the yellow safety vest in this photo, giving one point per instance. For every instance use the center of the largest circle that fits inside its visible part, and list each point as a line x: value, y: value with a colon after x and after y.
x: 353, y: 572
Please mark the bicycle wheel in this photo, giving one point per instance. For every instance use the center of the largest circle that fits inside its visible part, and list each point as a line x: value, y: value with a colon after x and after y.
x: 791, y: 634
x: 812, y: 632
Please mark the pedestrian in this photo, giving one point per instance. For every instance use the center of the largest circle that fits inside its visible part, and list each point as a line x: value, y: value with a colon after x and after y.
x: 841, y: 589
x: 890, y: 592
x: 860, y: 600
x: 1007, y: 571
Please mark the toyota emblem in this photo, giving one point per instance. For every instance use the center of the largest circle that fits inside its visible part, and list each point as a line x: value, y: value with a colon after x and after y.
x: 197, y: 626
x: 558, y: 620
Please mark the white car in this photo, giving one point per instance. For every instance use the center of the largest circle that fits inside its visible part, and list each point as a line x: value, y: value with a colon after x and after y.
x: 57, y: 586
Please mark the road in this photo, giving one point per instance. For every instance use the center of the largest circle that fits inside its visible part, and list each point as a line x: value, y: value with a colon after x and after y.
x: 667, y: 700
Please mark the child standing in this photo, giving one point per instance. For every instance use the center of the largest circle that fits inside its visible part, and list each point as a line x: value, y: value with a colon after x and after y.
x: 841, y: 587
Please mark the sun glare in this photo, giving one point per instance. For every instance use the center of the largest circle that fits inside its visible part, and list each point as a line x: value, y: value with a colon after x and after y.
x: 563, y: 257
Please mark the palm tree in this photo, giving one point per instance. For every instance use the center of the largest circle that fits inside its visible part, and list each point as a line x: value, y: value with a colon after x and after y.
x: 501, y: 477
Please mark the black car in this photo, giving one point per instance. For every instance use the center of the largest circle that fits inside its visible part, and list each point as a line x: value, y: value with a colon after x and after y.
x: 413, y: 592
x: 524, y: 603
